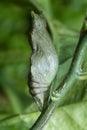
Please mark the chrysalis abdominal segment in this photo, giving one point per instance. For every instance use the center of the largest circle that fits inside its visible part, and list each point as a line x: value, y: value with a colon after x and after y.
x: 44, y: 61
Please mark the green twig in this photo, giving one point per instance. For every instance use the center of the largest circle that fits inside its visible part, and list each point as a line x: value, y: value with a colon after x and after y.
x: 59, y: 96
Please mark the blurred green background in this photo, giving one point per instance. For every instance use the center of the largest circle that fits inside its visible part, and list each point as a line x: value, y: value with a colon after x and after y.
x: 65, y: 18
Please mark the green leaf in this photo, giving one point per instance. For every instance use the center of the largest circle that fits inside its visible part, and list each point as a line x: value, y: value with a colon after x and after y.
x: 72, y: 117
x: 15, y: 119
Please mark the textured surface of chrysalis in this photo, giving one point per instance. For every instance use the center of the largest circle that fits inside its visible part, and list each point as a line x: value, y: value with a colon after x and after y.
x: 44, y: 61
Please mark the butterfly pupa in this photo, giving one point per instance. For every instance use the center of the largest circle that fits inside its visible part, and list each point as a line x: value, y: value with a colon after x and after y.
x: 44, y: 61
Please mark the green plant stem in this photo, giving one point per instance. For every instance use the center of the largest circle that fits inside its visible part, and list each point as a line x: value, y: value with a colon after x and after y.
x: 59, y: 96
x: 44, y: 117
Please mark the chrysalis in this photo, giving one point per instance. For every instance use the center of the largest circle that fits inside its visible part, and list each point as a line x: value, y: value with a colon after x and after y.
x: 44, y: 61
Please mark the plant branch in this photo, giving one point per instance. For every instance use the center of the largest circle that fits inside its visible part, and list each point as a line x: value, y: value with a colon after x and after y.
x: 59, y: 96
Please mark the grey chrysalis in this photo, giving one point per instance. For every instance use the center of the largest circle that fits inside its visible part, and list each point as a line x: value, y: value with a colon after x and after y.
x: 44, y: 61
